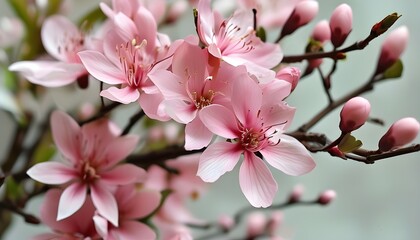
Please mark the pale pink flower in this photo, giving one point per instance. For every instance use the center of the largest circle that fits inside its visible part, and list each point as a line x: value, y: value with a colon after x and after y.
x: 234, y: 40
x: 130, y: 8
x: 327, y: 197
x: 76, y: 227
x: 193, y: 85
x: 399, y: 134
x: 132, y: 206
x: 91, y: 154
x: 254, y: 128
x: 290, y: 75
x: 392, y: 48
x: 62, y: 40
x: 341, y: 22
x: 354, y: 114
x: 256, y: 224
x: 303, y: 13
x: 321, y: 31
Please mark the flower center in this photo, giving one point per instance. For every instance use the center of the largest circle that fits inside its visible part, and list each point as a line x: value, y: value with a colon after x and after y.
x: 88, y: 172
x: 132, y: 58
x: 251, y: 139
x: 203, y: 100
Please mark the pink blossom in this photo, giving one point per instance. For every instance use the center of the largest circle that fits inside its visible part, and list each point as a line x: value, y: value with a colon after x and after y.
x: 321, y: 32
x: 303, y: 13
x: 62, y: 40
x: 256, y: 224
x: 76, y: 227
x: 91, y: 154
x: 132, y: 205
x: 234, y: 40
x: 254, y: 128
x: 197, y: 80
x: 326, y: 197
x: 129, y: 8
x: 399, y: 134
x: 341, y: 24
x: 290, y: 75
x: 392, y: 48
x: 354, y: 114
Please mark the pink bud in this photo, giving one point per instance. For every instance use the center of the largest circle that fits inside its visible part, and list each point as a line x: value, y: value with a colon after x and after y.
x: 275, y: 221
x: 354, y: 114
x: 322, y: 32
x: 303, y: 13
x: 226, y: 222
x: 296, y: 193
x: 289, y: 74
x: 341, y: 24
x: 399, y: 134
x: 326, y: 197
x: 392, y: 48
x: 256, y: 224
x: 336, y: 152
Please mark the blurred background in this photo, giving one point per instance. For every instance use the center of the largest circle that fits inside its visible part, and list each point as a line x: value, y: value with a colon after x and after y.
x: 378, y: 201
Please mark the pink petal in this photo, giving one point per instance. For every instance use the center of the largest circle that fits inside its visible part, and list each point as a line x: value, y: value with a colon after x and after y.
x: 171, y: 85
x: 217, y: 159
x: 246, y: 100
x: 219, y: 120
x: 147, y: 28
x: 153, y: 107
x: 52, y: 173
x: 141, y: 205
x: 71, y: 200
x: 49, y: 73
x: 214, y: 50
x: 125, y: 26
x: 289, y: 156
x: 132, y: 230
x: 118, y: 149
x: 101, y: 225
x: 278, y: 115
x: 53, y: 31
x: 105, y: 202
x: 123, y: 174
x: 101, y: 67
x: 256, y: 181
x: 197, y: 135
x: 66, y: 135
x: 180, y: 111
x: 125, y: 95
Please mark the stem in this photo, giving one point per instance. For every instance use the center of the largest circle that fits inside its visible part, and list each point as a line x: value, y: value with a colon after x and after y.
x: 133, y: 120
x: 101, y: 113
x: 29, y: 218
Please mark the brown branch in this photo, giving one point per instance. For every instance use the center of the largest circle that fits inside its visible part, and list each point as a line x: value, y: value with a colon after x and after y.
x: 29, y: 218
x: 101, y: 113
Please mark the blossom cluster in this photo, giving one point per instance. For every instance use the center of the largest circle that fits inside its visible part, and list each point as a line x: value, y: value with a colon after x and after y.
x: 226, y: 85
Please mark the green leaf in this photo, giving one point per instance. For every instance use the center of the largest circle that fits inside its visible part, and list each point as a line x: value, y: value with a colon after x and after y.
x: 13, y: 190
x: 395, y: 71
x: 349, y: 144
x: 261, y: 34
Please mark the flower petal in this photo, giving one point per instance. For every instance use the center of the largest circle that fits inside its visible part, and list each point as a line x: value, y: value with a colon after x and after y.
x: 52, y: 173
x: 289, y: 156
x: 147, y: 28
x: 140, y: 205
x: 101, y: 225
x: 132, y: 230
x: 125, y: 95
x: 119, y: 148
x: 101, y: 67
x: 71, y: 200
x: 197, y: 135
x: 219, y: 120
x: 180, y: 110
x: 256, y: 181
x: 67, y: 135
x: 123, y: 174
x: 217, y: 159
x: 105, y: 202
x: 246, y: 100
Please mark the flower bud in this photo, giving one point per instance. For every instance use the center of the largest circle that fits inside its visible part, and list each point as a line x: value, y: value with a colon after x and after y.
x: 321, y: 32
x: 354, y: 114
x: 336, y: 152
x: 326, y: 197
x: 303, y: 13
x: 399, y: 134
x: 256, y: 224
x: 226, y: 222
x: 296, y: 193
x: 341, y: 24
x: 392, y: 48
x: 275, y: 221
x: 289, y: 74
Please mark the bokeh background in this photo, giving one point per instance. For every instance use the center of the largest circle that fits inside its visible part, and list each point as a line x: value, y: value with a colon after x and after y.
x: 379, y: 201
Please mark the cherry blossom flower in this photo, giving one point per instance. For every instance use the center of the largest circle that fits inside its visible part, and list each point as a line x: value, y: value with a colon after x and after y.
x: 62, y: 40
x: 133, y: 205
x: 197, y: 80
x: 76, y: 227
x: 354, y: 114
x: 341, y: 23
x: 399, y: 134
x: 253, y: 129
x: 234, y: 40
x: 91, y: 154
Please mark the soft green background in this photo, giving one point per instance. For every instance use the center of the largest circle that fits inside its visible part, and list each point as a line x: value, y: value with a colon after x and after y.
x: 379, y: 201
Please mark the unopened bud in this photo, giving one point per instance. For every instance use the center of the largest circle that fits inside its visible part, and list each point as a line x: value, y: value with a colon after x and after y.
x: 296, y: 193
x: 275, y: 221
x: 392, y: 48
x: 321, y: 32
x: 341, y: 22
x: 326, y: 197
x: 289, y: 74
x: 336, y: 152
x: 354, y: 114
x: 226, y: 222
x: 399, y: 134
x: 256, y: 224
x: 303, y: 13
x: 385, y: 24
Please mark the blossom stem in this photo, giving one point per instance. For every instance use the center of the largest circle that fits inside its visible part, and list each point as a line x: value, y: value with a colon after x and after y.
x: 101, y: 113
x: 29, y: 218
x: 133, y: 120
